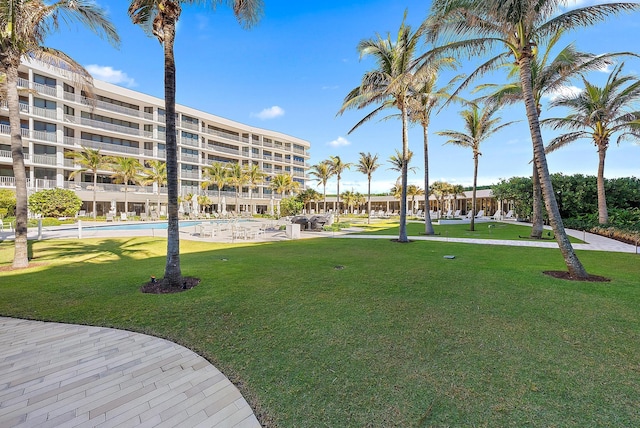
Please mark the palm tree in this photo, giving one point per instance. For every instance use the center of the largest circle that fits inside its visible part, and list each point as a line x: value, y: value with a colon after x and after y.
x: 283, y: 183
x: 89, y: 160
x: 337, y: 167
x: 307, y: 196
x: 426, y: 97
x: 125, y: 171
x: 350, y: 199
x: 155, y: 173
x: 204, y: 201
x: 389, y: 86
x: 597, y: 113
x: 479, y: 124
x: 25, y: 26
x: 548, y: 76
x: 322, y: 173
x: 159, y: 18
x: 237, y: 178
x: 397, y: 162
x: 457, y: 190
x: 367, y: 164
x: 215, y: 174
x: 441, y: 189
x: 413, y: 191
x: 518, y: 26
x: 254, y: 176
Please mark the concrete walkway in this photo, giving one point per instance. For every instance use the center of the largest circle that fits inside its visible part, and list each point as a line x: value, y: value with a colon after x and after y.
x: 61, y: 375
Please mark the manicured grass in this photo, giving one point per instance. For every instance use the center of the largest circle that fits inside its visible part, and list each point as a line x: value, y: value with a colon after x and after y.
x: 484, y: 230
x: 399, y: 336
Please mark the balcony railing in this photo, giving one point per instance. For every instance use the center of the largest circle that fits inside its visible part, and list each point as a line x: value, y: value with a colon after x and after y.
x: 189, y: 174
x: 223, y: 149
x: 78, y: 142
x: 108, y: 187
x: 226, y: 135
x: 38, y: 87
x: 189, y: 158
x: 128, y: 111
x: 44, y: 159
x: 189, y: 125
x: 45, y: 112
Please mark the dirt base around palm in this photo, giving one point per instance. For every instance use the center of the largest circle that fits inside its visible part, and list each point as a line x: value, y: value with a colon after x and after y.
x: 161, y: 287
x: 560, y: 274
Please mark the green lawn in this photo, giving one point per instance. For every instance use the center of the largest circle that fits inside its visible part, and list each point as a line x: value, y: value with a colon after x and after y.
x: 398, y: 337
x: 485, y: 230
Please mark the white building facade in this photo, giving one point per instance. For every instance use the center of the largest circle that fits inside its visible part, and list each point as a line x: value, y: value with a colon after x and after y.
x: 57, y: 117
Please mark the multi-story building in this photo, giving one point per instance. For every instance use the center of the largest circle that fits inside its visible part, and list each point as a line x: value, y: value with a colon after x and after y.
x: 58, y: 117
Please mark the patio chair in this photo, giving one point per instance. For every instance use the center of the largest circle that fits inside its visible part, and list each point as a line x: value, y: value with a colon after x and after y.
x: 110, y: 216
x: 480, y: 214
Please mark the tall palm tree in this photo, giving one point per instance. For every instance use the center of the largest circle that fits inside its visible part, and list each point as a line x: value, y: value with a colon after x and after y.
x: 215, y: 174
x: 25, y: 26
x: 255, y: 176
x: 125, y: 171
x: 237, y: 178
x: 397, y: 162
x: 548, y: 75
x: 425, y: 98
x: 155, y: 173
x: 322, y: 173
x: 337, y: 167
x: 389, y: 85
x: 518, y: 26
x: 479, y: 124
x: 368, y: 164
x: 597, y: 113
x: 89, y: 160
x: 159, y: 19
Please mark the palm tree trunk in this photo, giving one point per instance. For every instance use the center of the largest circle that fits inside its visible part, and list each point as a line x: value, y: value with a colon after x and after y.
x: 21, y: 254
x: 369, y: 200
x: 603, y: 213
x: 95, y: 184
x: 428, y: 226
x: 172, y: 272
x: 574, y: 265
x: 126, y: 191
x: 338, y: 202
x: 536, y: 220
x: 473, y: 194
x: 402, y: 236
x: 324, y: 195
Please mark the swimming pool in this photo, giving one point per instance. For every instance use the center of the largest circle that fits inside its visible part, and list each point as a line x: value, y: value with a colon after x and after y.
x: 153, y: 225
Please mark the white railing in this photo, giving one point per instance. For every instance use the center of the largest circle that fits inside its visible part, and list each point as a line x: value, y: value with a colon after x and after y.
x: 189, y: 125
x: 44, y: 89
x: 44, y: 112
x: 228, y: 136
x: 189, y: 158
x: 104, y: 105
x: 44, y: 159
x: 42, y: 135
x: 109, y: 126
x: 223, y: 149
x: 189, y: 174
x: 189, y: 142
x: 299, y: 151
x: 101, y: 146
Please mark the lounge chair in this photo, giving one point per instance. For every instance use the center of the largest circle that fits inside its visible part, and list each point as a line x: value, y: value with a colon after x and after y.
x: 497, y: 215
x: 469, y: 214
x: 456, y: 214
x: 123, y: 216
x: 449, y: 214
x: 509, y: 216
x: 109, y: 216
x: 480, y: 214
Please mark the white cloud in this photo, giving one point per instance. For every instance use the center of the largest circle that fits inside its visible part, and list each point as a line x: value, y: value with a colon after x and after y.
x: 269, y: 113
x: 566, y: 91
x: 339, y: 142
x: 109, y: 75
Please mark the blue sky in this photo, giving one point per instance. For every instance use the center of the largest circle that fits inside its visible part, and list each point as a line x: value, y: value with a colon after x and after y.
x: 292, y: 70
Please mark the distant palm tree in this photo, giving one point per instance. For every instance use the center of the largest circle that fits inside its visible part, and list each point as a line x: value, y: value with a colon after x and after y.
x: 337, y: 167
x: 215, y: 174
x: 441, y: 189
x: 517, y: 26
x: 237, y: 178
x: 322, y: 173
x: 307, y: 196
x: 25, y: 26
x: 255, y: 176
x: 368, y: 164
x: 159, y: 18
x: 479, y: 124
x: 412, y: 192
x: 425, y: 98
x: 457, y: 190
x: 204, y: 201
x: 155, y: 173
x: 89, y: 160
x: 350, y: 199
x: 125, y: 171
x: 283, y: 183
x: 389, y: 85
x: 597, y: 113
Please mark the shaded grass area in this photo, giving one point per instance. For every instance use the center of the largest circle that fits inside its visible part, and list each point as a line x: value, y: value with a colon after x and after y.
x: 484, y: 230
x: 399, y: 336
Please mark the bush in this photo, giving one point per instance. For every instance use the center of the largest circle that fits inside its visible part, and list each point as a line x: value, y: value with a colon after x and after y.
x: 290, y: 206
x: 7, y: 202
x: 55, y: 203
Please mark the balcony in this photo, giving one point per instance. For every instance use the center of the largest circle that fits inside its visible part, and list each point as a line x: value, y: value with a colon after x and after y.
x: 127, y: 111
x: 107, y: 126
x: 189, y: 174
x: 189, y: 125
x: 44, y: 112
x: 223, y: 149
x: 189, y: 142
x: 38, y: 87
x: 98, y: 145
x: 228, y: 136
x: 44, y: 159
x: 24, y: 107
x: 189, y: 158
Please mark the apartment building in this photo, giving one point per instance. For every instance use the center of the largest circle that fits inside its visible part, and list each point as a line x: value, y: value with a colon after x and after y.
x: 57, y: 117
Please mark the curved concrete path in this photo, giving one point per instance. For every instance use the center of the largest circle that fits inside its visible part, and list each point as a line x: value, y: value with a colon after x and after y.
x: 54, y: 375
